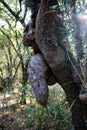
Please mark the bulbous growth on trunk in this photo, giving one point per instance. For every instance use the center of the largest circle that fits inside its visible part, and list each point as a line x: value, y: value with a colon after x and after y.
x: 37, y: 67
x: 37, y: 70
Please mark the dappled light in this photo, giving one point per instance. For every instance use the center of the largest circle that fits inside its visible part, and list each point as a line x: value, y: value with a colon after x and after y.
x: 33, y: 116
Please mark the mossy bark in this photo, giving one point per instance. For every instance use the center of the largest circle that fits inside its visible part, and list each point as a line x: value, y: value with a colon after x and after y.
x: 50, y: 40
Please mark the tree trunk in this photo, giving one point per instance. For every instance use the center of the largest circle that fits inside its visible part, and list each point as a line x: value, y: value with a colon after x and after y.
x: 24, y: 81
x: 50, y: 40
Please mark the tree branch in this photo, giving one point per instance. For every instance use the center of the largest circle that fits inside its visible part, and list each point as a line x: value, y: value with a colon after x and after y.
x: 16, y: 16
x: 19, y: 55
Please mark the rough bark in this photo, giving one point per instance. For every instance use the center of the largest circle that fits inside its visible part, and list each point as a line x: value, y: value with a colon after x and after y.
x: 49, y: 39
x: 39, y: 73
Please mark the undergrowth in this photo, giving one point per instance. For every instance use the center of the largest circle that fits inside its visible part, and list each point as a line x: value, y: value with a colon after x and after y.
x: 32, y: 116
x: 57, y: 116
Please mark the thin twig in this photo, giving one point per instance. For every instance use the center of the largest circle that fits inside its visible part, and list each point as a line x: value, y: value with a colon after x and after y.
x: 16, y: 16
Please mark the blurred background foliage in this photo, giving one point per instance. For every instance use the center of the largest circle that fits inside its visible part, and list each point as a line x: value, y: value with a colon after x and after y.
x: 18, y: 106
